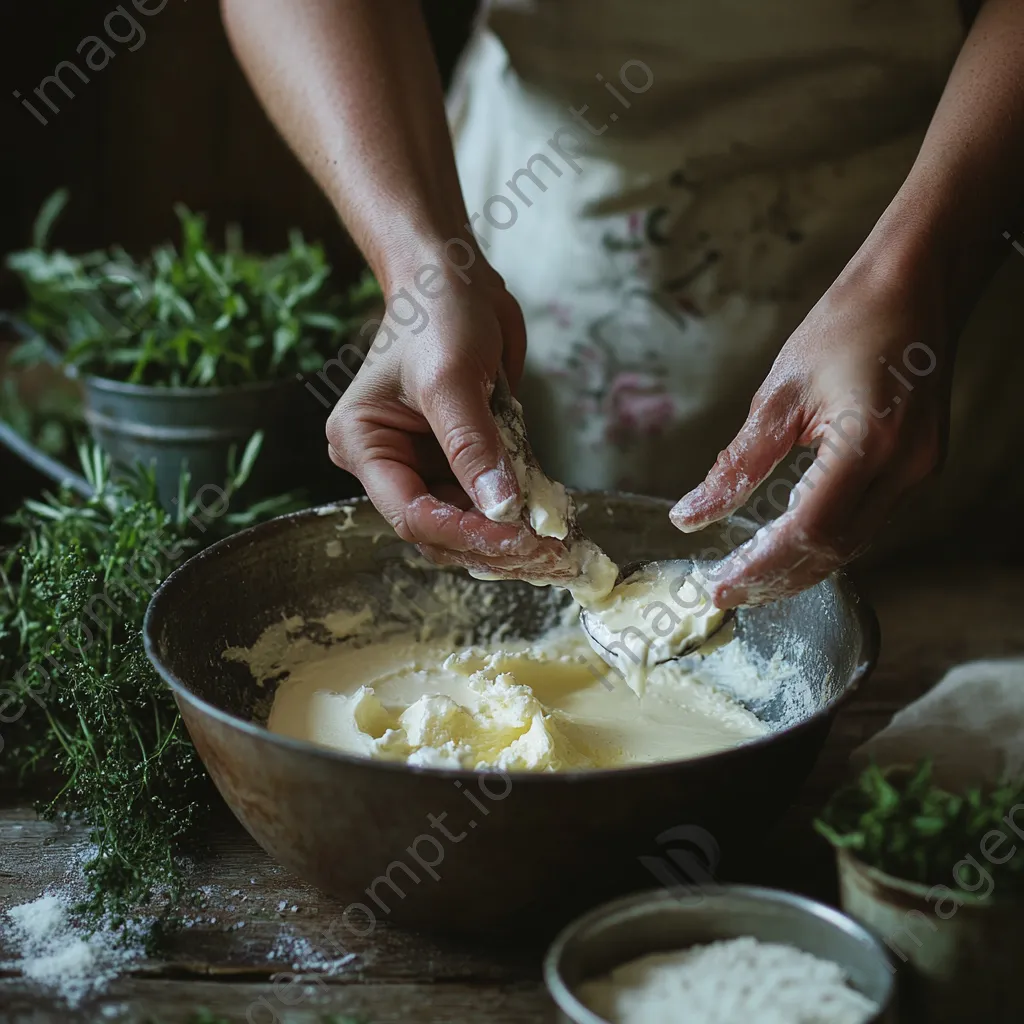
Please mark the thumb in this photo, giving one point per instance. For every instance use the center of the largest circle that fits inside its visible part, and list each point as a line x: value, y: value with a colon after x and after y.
x: 459, y: 414
x: 764, y: 440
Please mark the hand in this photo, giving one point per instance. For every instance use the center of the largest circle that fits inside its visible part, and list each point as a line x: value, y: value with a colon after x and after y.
x: 864, y: 380
x: 415, y: 427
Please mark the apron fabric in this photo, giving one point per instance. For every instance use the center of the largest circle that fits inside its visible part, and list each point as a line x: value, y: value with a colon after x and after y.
x: 715, y: 167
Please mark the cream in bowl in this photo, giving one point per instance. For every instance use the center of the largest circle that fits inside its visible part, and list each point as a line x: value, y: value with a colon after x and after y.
x: 421, y: 685
x: 289, y: 589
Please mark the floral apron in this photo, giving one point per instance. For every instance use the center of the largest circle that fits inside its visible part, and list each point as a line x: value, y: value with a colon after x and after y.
x: 668, y: 187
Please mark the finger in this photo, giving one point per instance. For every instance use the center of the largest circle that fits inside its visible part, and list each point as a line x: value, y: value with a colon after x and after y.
x: 457, y: 408
x: 401, y: 495
x: 428, y: 520
x: 549, y: 566
x: 771, y: 430
x: 822, y: 528
x: 777, y: 569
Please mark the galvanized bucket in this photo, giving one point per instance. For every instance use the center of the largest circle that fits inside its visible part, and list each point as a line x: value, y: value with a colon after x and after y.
x: 171, y: 427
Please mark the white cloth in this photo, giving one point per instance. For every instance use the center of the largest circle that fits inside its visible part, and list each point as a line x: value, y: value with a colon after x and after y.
x: 660, y: 280
x: 971, y: 724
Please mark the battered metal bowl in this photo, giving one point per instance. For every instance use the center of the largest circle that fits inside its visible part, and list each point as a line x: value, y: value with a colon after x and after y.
x: 511, y: 850
x: 655, y: 922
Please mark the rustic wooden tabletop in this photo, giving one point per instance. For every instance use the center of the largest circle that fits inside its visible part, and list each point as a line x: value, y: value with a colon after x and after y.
x: 253, y: 952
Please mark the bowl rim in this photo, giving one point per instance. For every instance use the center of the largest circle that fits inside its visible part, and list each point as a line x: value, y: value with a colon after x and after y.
x: 563, y: 995
x: 867, y: 658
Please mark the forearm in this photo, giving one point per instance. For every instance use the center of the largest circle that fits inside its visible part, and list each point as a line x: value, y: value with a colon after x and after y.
x: 353, y: 87
x: 966, y: 186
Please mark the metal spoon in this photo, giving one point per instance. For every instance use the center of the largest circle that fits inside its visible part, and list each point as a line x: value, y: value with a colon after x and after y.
x: 599, y: 634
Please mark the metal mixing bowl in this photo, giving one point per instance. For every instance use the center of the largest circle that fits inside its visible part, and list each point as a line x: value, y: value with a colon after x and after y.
x: 515, y: 849
x: 656, y: 922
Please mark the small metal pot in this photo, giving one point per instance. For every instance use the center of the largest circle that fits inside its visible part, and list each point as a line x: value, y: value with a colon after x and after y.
x: 654, y: 922
x: 962, y: 954
x: 198, y: 426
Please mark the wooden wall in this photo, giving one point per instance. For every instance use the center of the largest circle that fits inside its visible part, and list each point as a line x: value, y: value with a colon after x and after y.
x: 174, y: 120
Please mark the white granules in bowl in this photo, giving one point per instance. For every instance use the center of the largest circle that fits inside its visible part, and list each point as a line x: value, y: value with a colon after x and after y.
x: 737, y: 981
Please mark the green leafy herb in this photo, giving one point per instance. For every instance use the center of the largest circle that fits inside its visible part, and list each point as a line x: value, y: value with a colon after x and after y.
x: 193, y: 315
x: 900, y: 822
x: 79, y: 695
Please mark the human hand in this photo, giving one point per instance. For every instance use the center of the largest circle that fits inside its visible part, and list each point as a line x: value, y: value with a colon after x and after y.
x: 864, y: 380
x: 415, y: 426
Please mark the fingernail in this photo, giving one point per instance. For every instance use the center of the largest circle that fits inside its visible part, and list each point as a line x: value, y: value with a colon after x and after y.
x: 496, y: 495
x: 686, y: 509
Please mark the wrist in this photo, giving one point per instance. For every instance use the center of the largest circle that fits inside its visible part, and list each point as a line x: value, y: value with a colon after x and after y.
x: 904, y: 263
x: 923, y: 248
x: 430, y: 261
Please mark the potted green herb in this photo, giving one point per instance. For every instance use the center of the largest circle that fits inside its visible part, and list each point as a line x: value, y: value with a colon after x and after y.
x: 190, y: 350
x: 939, y: 876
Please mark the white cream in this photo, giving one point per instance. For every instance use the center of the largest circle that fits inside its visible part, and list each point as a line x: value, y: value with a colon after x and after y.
x: 650, y: 618
x: 549, y: 510
x: 514, y: 706
x: 597, y: 573
x: 547, y: 504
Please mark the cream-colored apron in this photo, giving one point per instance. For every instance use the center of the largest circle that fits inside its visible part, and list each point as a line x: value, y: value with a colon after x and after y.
x: 668, y: 186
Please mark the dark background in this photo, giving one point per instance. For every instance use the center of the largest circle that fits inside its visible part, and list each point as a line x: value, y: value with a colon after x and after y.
x: 175, y: 120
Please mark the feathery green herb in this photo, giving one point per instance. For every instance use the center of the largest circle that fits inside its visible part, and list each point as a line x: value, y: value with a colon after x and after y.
x: 188, y: 315
x: 79, y: 695
x: 899, y: 821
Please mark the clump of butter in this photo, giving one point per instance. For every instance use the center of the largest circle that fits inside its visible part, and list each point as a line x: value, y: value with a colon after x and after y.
x: 651, y: 617
x: 404, y: 683
x: 504, y: 727
x: 547, y: 505
x: 597, y: 573
x: 548, y: 508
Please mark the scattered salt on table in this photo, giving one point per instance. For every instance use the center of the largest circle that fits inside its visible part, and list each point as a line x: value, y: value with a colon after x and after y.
x: 57, y: 957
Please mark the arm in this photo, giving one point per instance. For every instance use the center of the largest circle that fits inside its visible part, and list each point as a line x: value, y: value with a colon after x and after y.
x: 353, y: 87
x: 898, y: 305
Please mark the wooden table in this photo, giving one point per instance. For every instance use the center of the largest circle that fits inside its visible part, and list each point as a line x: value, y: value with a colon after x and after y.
x: 251, y: 954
